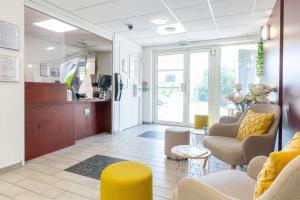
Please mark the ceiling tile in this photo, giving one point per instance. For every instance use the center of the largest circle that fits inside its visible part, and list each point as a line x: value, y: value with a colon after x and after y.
x: 120, y: 10
x: 146, y: 33
x: 199, y: 25
x: 140, y: 22
x: 121, y: 25
x: 233, y: 17
x: 193, y: 13
x: 232, y: 7
x: 265, y: 4
x: 174, y: 4
x: 78, y: 4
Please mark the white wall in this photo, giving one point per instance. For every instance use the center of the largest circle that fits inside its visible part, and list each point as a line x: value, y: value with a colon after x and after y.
x: 127, y: 112
x: 148, y: 67
x: 104, y: 63
x: 12, y: 94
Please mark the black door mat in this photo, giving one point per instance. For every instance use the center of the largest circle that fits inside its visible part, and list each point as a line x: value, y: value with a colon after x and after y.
x: 152, y: 135
x: 93, y: 166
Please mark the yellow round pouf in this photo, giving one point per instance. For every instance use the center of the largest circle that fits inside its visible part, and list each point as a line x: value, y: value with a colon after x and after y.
x: 126, y: 181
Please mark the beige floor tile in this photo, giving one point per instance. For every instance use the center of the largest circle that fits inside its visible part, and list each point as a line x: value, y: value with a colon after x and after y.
x: 75, y: 178
x: 42, y: 168
x: 11, y: 177
x: 37, y: 176
x: 158, y: 198
x: 10, y: 190
x: 2, y: 197
x: 40, y: 188
x: 54, y: 164
x: 78, y: 189
x: 162, y: 192
x: 70, y: 196
x: 30, y: 196
x: 62, y: 159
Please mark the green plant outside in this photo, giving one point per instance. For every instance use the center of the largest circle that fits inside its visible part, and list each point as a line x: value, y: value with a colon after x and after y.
x: 260, y: 60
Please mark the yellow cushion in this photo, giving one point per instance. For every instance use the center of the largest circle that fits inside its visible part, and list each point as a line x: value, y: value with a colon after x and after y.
x: 127, y: 181
x: 255, y: 124
x: 294, y: 143
x: 271, y: 169
x: 200, y: 121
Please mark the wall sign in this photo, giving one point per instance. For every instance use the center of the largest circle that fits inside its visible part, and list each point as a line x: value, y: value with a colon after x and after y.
x: 9, y: 67
x: 9, y: 36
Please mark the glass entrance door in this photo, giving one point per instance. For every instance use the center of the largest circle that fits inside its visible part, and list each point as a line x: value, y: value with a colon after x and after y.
x: 182, y: 87
x: 169, y: 91
x: 198, y: 84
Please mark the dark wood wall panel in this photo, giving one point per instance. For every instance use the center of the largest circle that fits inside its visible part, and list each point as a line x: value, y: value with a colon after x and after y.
x: 272, y: 59
x: 283, y: 64
x: 291, y: 69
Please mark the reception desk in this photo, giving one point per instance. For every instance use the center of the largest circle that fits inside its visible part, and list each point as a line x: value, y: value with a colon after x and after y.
x: 52, y: 123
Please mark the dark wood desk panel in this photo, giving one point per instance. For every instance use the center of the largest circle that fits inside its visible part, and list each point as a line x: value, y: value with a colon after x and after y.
x: 98, y: 121
x: 45, y: 92
x: 53, y: 125
x: 48, y: 128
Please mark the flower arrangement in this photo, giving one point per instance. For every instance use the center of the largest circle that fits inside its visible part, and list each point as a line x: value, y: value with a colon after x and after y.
x: 258, y: 93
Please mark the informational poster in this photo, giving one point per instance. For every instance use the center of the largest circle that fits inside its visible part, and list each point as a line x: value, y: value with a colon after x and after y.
x: 9, y: 67
x: 44, y: 70
x: 9, y: 36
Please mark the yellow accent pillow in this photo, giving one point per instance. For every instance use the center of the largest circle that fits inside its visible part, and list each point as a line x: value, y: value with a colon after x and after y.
x: 255, y: 124
x: 294, y: 143
x: 271, y: 169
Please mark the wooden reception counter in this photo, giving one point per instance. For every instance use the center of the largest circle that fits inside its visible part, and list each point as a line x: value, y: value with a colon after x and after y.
x: 52, y: 123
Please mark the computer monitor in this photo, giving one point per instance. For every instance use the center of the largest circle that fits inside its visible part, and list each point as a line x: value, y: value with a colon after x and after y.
x: 104, y: 81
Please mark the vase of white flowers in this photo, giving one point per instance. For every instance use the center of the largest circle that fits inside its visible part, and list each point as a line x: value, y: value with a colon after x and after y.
x: 258, y: 93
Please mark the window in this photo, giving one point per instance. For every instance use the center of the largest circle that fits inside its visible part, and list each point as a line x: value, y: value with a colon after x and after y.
x: 237, y: 66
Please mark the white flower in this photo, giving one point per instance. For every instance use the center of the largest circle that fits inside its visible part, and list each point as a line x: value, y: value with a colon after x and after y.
x: 257, y: 91
x: 229, y: 96
x: 238, y: 86
x: 251, y: 86
x: 238, y: 99
x: 250, y: 97
x: 262, y: 99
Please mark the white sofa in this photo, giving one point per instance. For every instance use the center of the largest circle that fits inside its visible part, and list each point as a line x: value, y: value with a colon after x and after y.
x: 237, y: 185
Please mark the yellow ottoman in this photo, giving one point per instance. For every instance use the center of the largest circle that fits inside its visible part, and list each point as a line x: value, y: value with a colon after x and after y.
x: 126, y: 181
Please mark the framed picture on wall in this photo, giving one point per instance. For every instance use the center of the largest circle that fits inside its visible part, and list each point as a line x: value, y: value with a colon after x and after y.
x: 44, y: 70
x: 133, y: 63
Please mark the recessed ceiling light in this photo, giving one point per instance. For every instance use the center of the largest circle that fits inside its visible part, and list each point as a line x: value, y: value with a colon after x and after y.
x: 55, y: 25
x: 159, y: 20
x: 171, y: 29
x: 50, y: 48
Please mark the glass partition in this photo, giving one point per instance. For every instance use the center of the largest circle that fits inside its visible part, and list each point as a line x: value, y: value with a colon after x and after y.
x: 59, y: 52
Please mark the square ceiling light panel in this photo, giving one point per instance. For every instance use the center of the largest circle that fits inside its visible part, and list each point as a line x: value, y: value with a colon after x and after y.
x: 55, y: 25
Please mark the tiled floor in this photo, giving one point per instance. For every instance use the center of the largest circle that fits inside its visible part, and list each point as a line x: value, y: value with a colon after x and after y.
x: 44, y: 178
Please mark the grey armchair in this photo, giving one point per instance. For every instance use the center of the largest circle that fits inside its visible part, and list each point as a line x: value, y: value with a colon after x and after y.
x: 224, y: 145
x: 228, y: 120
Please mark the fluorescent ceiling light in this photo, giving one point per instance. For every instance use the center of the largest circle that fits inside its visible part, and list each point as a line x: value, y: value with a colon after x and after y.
x: 55, y: 25
x: 159, y: 20
x: 171, y: 29
x: 50, y: 48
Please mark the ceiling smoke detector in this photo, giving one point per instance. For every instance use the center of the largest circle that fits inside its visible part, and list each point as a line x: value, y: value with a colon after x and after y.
x: 171, y: 29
